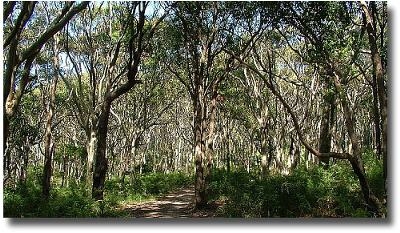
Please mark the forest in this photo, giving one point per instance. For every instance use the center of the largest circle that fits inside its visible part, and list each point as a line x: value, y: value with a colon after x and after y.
x: 194, y: 109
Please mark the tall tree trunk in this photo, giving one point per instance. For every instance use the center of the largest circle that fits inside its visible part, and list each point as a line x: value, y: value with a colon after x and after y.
x: 378, y: 72
x: 264, y: 151
x: 49, y: 144
x: 227, y: 141
x: 199, y: 152
x: 49, y: 149
x: 325, y: 134
x: 210, y: 126
x: 270, y: 152
x: 6, y: 153
x: 101, y: 164
x: 6, y: 130
x: 326, y: 127
x: 65, y: 170
x: 377, y: 120
x: 91, y: 147
x: 25, y: 161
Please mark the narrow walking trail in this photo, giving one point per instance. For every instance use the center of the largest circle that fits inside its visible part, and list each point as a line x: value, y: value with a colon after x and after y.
x: 177, y: 204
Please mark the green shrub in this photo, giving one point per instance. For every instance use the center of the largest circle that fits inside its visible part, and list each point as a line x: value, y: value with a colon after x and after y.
x: 13, y: 204
x: 27, y: 201
x: 313, y: 192
x: 374, y: 171
x: 75, y: 201
x: 148, y: 184
x: 22, y: 201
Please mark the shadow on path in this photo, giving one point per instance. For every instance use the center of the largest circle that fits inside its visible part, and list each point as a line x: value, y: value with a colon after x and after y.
x: 178, y: 204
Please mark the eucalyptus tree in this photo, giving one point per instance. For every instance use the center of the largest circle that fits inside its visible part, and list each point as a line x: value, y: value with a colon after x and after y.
x: 49, y: 145
x: 334, y: 49
x: 25, y: 33
x: 50, y: 59
x: 27, y: 29
x: 331, y: 44
x: 110, y: 40
x: 196, y: 59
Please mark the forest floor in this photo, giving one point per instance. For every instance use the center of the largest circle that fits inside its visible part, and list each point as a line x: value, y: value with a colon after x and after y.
x: 176, y: 204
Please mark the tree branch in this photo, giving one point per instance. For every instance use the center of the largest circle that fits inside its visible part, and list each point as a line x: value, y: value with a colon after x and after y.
x: 8, y: 8
x: 23, y: 17
x: 293, y: 116
x: 55, y: 26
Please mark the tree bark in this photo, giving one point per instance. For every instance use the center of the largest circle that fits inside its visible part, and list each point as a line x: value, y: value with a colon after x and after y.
x: 49, y: 143
x: 210, y: 127
x: 91, y: 148
x: 325, y: 134
x: 64, y: 170
x: 200, y: 150
x: 101, y: 163
x: 264, y: 151
x: 379, y: 74
x: 377, y: 120
x: 6, y: 153
x: 25, y: 161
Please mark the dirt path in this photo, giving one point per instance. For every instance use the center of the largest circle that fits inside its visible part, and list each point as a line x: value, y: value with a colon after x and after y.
x: 178, y: 204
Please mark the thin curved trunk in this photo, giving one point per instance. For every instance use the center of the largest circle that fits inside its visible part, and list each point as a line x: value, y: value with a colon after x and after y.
x: 49, y: 147
x: 47, y: 169
x: 49, y: 144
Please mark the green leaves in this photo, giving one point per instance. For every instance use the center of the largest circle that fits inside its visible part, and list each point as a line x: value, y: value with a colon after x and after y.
x: 71, y: 152
x: 314, y: 192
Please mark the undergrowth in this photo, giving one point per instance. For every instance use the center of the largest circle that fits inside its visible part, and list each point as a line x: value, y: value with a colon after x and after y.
x: 312, y: 192
x: 306, y: 192
x: 75, y: 201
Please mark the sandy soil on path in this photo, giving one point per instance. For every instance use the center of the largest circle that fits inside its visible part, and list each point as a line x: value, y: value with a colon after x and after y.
x: 177, y: 204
